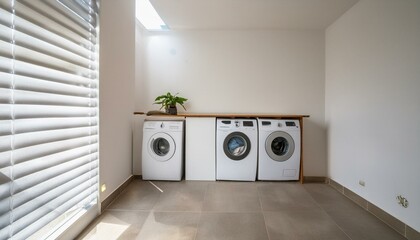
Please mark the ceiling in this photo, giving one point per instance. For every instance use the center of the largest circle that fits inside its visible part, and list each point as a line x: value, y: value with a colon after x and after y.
x: 250, y: 14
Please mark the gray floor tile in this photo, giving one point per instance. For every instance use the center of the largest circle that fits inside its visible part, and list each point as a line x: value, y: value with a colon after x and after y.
x: 113, y: 224
x: 361, y: 225
x: 236, y: 210
x: 329, y: 198
x: 139, y: 195
x: 232, y: 197
x: 280, y: 196
x: 231, y: 226
x: 386, y: 217
x: 412, y: 234
x: 170, y: 226
x: 181, y: 196
x: 354, y: 220
x: 302, y: 225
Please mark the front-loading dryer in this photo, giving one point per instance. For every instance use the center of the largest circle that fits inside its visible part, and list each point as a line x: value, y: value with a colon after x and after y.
x: 236, y: 149
x: 162, y: 154
x: 279, y: 149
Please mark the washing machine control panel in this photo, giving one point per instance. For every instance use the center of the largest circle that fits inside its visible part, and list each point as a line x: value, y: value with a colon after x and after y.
x: 278, y: 124
x: 265, y: 123
x: 290, y: 124
x: 163, y: 126
x: 236, y: 124
x: 248, y: 123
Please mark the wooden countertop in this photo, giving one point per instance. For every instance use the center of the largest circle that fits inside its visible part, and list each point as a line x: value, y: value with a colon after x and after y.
x: 231, y: 115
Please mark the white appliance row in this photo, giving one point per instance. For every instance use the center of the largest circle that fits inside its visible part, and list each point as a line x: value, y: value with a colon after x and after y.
x: 263, y: 149
x: 246, y: 149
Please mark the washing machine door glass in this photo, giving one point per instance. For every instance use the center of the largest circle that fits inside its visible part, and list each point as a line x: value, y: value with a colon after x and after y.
x: 280, y: 146
x: 162, y: 147
x: 236, y: 146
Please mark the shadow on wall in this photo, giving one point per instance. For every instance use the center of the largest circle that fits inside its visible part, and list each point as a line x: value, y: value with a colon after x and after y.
x: 138, y: 121
x: 314, y: 148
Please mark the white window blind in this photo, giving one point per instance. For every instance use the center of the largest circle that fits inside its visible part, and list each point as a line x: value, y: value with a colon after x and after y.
x: 48, y: 114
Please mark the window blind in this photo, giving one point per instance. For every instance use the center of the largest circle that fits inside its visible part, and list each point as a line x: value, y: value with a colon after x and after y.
x: 48, y: 114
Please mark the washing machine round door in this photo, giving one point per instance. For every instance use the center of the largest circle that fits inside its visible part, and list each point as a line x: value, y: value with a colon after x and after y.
x: 236, y: 146
x: 161, y: 147
x: 280, y: 146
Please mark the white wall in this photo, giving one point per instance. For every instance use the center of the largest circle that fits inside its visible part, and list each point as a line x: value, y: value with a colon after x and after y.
x: 373, y: 103
x: 240, y: 72
x: 117, y: 74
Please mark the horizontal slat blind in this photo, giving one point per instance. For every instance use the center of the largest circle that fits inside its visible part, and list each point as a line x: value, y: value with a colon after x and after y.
x: 48, y: 112
x: 6, y: 120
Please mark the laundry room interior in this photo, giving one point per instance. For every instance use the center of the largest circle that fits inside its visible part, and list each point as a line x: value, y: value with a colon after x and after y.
x: 351, y: 66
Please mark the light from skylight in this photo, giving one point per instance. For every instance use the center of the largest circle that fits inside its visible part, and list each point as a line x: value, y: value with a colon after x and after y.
x: 148, y: 16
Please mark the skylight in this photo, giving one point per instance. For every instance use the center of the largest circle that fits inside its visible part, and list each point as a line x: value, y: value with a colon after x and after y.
x: 148, y: 16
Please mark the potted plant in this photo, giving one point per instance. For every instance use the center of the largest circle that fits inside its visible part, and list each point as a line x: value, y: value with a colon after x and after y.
x: 169, y: 101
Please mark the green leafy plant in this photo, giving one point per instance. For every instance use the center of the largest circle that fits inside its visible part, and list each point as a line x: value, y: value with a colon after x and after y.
x: 168, y: 100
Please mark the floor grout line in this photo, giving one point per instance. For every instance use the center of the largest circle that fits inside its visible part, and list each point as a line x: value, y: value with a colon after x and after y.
x: 200, y: 214
x: 367, y: 209
x: 201, y: 211
x: 262, y: 212
x: 325, y: 211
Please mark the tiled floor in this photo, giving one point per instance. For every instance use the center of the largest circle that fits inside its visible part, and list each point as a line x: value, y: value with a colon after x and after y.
x: 235, y: 210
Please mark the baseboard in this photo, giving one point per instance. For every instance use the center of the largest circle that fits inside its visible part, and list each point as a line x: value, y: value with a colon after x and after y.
x: 314, y: 179
x: 385, y: 217
x: 108, y: 200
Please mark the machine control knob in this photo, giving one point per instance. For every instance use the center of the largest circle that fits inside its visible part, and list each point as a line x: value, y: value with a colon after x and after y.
x: 236, y: 123
x: 279, y: 125
x: 162, y: 125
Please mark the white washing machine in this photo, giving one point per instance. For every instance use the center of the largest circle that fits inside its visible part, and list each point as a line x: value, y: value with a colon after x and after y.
x: 279, y: 149
x: 236, y: 149
x: 163, y: 149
